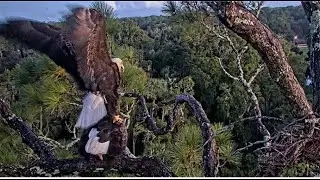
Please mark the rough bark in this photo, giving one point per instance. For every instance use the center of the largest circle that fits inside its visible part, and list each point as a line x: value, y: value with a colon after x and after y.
x: 49, y: 165
x: 245, y: 24
x: 312, y: 10
x: 210, y: 151
x: 141, y: 166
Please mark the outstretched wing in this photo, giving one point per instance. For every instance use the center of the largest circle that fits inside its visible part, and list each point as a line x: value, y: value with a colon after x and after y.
x: 80, y: 48
x: 46, y: 38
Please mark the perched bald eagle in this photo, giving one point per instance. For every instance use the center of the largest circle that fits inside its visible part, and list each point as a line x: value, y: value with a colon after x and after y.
x: 81, y: 49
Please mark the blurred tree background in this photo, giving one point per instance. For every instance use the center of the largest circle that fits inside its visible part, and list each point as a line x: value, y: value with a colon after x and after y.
x: 163, y: 56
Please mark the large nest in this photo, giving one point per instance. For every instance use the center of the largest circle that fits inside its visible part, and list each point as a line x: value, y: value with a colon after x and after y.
x: 296, y: 142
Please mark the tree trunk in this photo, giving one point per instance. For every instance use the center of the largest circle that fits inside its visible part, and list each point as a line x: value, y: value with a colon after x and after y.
x: 245, y: 24
x: 312, y: 10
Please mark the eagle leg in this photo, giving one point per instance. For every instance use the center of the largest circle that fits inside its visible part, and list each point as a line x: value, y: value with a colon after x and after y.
x: 115, y: 119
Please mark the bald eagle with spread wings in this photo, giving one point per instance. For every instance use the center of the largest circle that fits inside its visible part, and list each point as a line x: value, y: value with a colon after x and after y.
x: 81, y: 49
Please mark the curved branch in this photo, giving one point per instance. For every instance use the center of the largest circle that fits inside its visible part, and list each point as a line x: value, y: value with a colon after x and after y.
x: 210, y: 152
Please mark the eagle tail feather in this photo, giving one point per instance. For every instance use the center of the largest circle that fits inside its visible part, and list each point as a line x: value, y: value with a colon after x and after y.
x: 93, y: 145
x: 93, y: 111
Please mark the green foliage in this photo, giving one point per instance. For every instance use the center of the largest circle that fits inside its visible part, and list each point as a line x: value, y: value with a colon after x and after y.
x: 287, y: 21
x: 183, y: 150
x: 183, y: 153
x: 107, y: 11
x: 44, y: 92
x: 134, y: 78
x: 12, y: 150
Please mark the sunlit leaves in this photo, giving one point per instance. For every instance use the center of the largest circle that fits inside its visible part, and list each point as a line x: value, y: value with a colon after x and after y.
x: 134, y: 78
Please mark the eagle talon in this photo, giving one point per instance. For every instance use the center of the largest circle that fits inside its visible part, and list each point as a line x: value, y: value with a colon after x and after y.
x: 117, y: 120
x: 100, y: 156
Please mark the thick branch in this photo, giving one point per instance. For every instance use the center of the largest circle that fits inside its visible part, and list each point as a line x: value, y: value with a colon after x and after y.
x: 210, y: 152
x: 142, y: 166
x: 48, y: 165
x: 246, y: 25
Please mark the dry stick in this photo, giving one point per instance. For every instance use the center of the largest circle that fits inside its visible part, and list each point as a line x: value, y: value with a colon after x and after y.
x: 151, y: 123
x: 246, y: 84
x: 210, y: 152
x: 250, y: 145
x: 57, y: 144
x: 49, y: 165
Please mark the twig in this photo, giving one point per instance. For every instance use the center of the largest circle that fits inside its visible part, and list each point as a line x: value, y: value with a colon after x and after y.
x: 250, y: 145
x: 258, y: 70
x: 57, y: 144
x: 230, y: 126
x: 226, y: 72
x: 260, y: 4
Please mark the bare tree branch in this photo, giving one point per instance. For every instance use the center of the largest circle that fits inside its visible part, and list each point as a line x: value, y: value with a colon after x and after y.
x: 247, y: 85
x: 57, y: 144
x: 209, y: 155
x: 258, y: 70
x: 226, y: 72
x: 250, y: 145
x: 140, y: 166
x: 210, y: 152
x: 239, y: 57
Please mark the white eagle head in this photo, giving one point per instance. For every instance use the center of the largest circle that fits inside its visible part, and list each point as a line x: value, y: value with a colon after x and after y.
x: 119, y: 63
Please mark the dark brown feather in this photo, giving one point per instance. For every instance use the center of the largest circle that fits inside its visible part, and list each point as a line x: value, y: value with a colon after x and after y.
x: 80, y: 48
x: 116, y: 134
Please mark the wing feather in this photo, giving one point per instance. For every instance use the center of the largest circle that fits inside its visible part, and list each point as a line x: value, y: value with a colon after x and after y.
x: 46, y: 38
x: 80, y: 48
x: 87, y: 29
